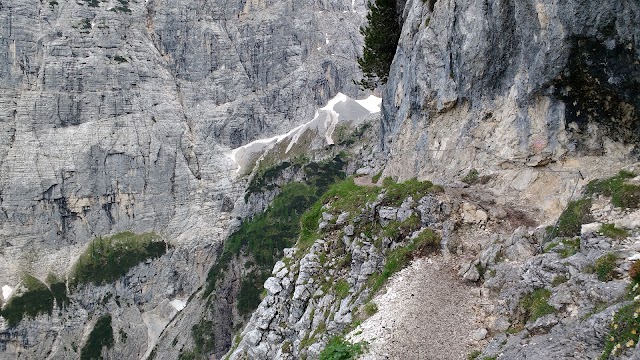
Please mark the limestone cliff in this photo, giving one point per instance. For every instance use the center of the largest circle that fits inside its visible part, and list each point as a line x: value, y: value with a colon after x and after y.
x: 518, y: 89
x: 117, y: 115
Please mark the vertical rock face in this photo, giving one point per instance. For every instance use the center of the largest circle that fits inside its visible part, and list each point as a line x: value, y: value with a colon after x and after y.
x: 115, y: 115
x: 534, y: 82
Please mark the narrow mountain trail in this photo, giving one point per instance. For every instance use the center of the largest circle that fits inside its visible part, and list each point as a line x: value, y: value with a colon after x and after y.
x: 426, y: 312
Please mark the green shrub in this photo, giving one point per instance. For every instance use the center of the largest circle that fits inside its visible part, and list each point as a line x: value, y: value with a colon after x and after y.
x: 249, y: 294
x: 262, y: 240
x: 370, y: 308
x: 340, y: 349
x: 202, y: 333
x: 624, y: 330
x: 611, y: 231
x: 471, y: 177
x: 36, y: 300
x: 622, y: 194
x: 342, y: 288
x: 101, y: 336
x: 59, y: 290
x: 107, y: 259
x: 605, y: 266
x: 569, y: 247
x: 534, y: 305
x: 398, y: 229
x: 396, y: 193
x: 571, y: 220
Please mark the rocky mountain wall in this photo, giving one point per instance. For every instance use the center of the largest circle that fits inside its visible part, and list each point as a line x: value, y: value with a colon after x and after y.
x: 514, y: 89
x: 118, y: 115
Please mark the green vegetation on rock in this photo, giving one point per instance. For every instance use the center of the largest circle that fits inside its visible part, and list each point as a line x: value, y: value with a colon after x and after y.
x: 101, y: 336
x: 564, y: 247
x: 340, y: 349
x: 571, y: 220
x: 623, y: 331
x: 262, y: 239
x: 427, y: 241
x: 611, y: 231
x: 396, y: 193
x: 381, y: 37
x: 605, y: 266
x: 535, y: 305
x: 106, y: 259
x: 202, y: 334
x: 36, y: 300
x: 622, y: 194
x: 59, y: 290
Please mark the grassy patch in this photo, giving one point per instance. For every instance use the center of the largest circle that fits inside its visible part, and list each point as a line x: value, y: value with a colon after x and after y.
x: 340, y: 349
x: 569, y: 247
x: 37, y: 299
x: 376, y: 177
x: 472, y: 177
x: 345, y: 196
x: 263, y: 239
x: 571, y: 220
x: 396, y: 230
x: 474, y: 355
x: 101, y: 336
x: 109, y: 258
x: 624, y: 331
x: 605, y: 266
x: 559, y: 279
x: 427, y: 241
x: 622, y: 194
x: 342, y: 288
x: 396, y: 193
x: 535, y: 305
x: 370, y: 308
x: 611, y: 231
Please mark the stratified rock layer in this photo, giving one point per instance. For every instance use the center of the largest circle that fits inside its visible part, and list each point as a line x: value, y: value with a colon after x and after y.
x: 115, y: 115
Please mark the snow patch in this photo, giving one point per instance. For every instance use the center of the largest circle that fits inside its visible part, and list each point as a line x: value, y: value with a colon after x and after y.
x: 372, y: 103
x: 178, y: 304
x: 6, y: 292
x: 340, y: 108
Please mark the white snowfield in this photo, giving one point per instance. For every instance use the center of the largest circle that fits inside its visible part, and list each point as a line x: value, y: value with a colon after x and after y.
x: 6, y: 291
x: 340, y: 109
x: 178, y: 304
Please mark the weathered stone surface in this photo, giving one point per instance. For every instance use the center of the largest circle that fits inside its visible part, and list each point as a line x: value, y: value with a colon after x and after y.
x: 117, y: 117
x: 513, y: 89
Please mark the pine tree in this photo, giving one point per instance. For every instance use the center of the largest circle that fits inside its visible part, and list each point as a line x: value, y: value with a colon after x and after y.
x: 381, y: 37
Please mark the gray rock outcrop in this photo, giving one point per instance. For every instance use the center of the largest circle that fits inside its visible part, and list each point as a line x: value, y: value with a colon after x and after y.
x: 514, y: 89
x: 116, y: 115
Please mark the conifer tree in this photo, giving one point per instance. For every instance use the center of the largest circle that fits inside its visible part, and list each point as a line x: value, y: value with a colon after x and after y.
x: 381, y: 37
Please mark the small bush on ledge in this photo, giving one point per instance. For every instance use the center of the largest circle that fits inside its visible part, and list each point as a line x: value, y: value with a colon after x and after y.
x: 37, y: 299
x: 107, y: 259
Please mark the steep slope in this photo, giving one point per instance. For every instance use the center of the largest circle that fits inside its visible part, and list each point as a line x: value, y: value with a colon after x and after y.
x: 116, y: 116
x: 515, y: 107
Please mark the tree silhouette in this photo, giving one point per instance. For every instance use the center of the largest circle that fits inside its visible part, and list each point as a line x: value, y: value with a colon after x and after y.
x: 381, y: 37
